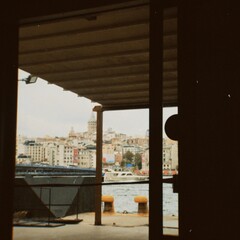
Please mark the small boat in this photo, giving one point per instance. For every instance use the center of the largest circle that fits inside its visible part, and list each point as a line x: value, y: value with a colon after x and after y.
x: 118, y: 176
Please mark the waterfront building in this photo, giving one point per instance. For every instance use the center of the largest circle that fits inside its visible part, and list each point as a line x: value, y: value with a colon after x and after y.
x: 145, y: 161
x: 51, y: 153
x: 108, y: 149
x: 116, y: 141
x: 174, y: 155
x: 23, y: 159
x: 84, y: 158
x: 118, y: 158
x: 35, y: 150
x: 109, y: 135
x: 65, y: 155
x: 20, y: 148
x: 93, y: 158
x: 132, y: 148
x: 170, y: 154
x: 121, y: 136
x: 140, y: 141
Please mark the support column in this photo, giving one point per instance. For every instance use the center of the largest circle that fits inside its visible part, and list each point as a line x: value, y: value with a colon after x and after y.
x: 8, y: 108
x: 155, y: 121
x: 98, y: 192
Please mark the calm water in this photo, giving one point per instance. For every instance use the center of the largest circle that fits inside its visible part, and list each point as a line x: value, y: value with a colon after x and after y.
x: 124, y: 197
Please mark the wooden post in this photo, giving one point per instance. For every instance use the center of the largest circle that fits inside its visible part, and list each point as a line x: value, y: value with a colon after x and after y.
x: 155, y: 121
x: 98, y: 193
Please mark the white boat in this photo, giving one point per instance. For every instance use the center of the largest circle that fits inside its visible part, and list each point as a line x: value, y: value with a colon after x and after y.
x: 118, y: 176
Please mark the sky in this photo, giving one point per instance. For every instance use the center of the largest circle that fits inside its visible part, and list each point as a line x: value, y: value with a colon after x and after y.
x: 47, y: 110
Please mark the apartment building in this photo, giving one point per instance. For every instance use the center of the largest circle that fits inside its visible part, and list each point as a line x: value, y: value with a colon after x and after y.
x: 35, y: 150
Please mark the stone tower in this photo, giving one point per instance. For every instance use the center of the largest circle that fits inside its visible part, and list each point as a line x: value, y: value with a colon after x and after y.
x: 72, y: 133
x: 92, y: 124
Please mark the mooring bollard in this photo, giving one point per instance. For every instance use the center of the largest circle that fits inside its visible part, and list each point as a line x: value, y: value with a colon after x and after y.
x: 142, y: 204
x: 108, y: 203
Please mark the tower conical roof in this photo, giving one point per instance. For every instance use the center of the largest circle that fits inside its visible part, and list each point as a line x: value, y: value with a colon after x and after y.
x: 92, y: 118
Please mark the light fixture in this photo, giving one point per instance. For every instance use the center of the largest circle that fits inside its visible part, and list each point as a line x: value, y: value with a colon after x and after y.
x: 30, y: 79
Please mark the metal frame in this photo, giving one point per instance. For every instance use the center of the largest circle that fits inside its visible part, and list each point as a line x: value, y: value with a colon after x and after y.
x: 8, y: 108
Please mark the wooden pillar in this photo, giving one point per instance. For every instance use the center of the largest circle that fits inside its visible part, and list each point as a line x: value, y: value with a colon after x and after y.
x: 187, y: 115
x: 8, y: 108
x: 155, y: 121
x: 98, y: 193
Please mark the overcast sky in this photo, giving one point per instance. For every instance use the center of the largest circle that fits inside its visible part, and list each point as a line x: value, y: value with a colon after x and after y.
x: 45, y: 109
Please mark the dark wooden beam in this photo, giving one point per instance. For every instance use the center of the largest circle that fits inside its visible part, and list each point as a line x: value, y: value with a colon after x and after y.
x: 8, y: 109
x: 140, y: 64
x: 140, y: 76
x: 44, y: 10
x: 155, y: 121
x: 99, y: 57
x: 84, y: 45
x: 128, y: 87
x: 120, y: 79
x: 116, y: 27
x: 111, y: 86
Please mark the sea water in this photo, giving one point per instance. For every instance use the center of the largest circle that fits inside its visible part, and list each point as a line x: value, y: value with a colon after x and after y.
x: 124, y: 197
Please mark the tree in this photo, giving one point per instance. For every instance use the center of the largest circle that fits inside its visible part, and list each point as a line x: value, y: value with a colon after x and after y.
x: 128, y: 157
x: 123, y: 163
x: 138, y: 160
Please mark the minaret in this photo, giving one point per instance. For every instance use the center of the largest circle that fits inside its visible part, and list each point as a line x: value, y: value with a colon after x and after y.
x: 92, y: 124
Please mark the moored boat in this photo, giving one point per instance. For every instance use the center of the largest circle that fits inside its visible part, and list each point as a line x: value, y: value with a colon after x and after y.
x: 123, y: 176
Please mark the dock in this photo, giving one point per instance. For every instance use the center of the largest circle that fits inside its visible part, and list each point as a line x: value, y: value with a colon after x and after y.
x: 114, y: 226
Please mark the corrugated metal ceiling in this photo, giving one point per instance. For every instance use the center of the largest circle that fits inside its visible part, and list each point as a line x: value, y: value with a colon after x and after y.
x: 103, y: 56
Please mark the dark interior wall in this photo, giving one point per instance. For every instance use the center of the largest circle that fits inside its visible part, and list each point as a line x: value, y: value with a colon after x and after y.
x: 8, y: 96
x: 209, y: 115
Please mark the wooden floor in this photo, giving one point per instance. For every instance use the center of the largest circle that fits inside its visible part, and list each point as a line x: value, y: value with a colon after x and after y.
x: 117, y: 227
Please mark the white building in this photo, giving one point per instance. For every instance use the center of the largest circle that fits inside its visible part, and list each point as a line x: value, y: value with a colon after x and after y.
x: 93, y: 159
x: 51, y: 153
x: 145, y: 160
x: 132, y: 148
x: 85, y: 158
x: 35, y: 150
x: 167, y: 158
x: 170, y: 154
x: 20, y: 145
x: 65, y: 155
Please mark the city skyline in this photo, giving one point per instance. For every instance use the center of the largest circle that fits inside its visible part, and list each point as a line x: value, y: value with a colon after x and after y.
x: 45, y: 109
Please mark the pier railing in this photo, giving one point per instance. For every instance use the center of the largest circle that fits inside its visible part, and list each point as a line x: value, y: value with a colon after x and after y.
x: 47, y: 205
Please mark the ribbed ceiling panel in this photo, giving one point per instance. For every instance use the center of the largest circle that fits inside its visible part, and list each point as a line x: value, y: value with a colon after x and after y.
x: 104, y: 57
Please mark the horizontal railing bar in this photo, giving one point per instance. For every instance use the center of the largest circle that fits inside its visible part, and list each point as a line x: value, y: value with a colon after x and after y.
x: 168, y: 180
